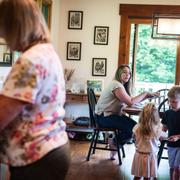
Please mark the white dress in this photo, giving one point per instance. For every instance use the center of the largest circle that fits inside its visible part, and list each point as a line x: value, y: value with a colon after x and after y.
x: 145, y: 159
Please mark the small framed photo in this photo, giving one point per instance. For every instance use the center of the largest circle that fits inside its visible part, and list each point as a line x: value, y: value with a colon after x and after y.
x: 5, y: 56
x: 75, y: 20
x: 99, y: 66
x: 101, y: 34
x: 96, y: 84
x: 74, y: 51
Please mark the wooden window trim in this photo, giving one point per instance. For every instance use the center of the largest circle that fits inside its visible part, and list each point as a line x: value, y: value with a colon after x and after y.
x: 141, y: 13
x: 49, y: 4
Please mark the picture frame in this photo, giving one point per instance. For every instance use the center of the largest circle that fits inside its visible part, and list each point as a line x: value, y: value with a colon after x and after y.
x: 74, y: 51
x: 99, y: 66
x: 75, y: 20
x: 101, y: 35
x: 5, y: 55
x: 96, y: 84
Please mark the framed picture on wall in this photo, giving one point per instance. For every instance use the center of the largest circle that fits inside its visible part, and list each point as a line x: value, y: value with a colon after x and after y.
x: 75, y: 20
x: 101, y: 34
x: 96, y: 84
x: 5, y: 55
x: 99, y: 66
x: 6, y: 60
x: 74, y: 51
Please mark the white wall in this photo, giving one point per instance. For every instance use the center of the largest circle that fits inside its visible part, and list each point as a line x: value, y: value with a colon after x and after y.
x: 55, y: 24
x: 95, y: 13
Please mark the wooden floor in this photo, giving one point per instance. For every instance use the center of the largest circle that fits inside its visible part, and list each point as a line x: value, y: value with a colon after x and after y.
x: 101, y: 168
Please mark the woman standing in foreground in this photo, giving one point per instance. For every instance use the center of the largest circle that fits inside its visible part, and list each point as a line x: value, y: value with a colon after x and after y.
x: 32, y: 133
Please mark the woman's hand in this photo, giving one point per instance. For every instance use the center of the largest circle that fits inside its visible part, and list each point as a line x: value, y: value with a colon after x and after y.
x: 174, y: 138
x: 154, y: 94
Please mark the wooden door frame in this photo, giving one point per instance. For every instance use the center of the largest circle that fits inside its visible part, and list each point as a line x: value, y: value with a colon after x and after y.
x: 142, y: 12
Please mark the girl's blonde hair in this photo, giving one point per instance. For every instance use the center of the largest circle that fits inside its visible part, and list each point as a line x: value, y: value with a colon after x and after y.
x: 118, y: 73
x: 149, y: 121
x: 22, y: 24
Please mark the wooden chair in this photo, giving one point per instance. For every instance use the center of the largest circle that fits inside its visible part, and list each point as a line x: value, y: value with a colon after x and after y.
x: 163, y: 144
x: 162, y: 147
x: 161, y: 97
x: 95, y: 144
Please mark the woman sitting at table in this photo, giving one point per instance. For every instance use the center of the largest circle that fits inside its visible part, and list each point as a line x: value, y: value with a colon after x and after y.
x: 113, y: 98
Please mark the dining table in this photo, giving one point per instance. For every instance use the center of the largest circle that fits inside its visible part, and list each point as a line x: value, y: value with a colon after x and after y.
x: 132, y: 110
x: 136, y: 110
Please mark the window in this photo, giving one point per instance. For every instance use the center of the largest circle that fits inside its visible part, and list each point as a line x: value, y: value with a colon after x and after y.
x: 153, y: 61
x: 142, y: 14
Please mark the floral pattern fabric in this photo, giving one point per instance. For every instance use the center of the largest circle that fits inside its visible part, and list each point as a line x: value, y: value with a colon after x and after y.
x: 36, y: 78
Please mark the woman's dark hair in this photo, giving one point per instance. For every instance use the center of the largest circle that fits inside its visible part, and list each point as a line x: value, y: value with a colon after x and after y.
x: 118, y: 73
x: 22, y: 24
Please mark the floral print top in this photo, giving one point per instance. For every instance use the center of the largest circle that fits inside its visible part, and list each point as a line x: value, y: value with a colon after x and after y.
x: 36, y: 78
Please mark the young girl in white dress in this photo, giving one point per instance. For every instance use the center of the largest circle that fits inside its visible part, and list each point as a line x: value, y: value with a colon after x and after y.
x: 147, y: 133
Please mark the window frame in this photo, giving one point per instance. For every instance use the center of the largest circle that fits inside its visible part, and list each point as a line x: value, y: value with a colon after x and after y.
x: 130, y: 13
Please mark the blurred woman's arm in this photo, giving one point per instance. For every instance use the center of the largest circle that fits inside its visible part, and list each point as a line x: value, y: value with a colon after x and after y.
x: 9, y: 109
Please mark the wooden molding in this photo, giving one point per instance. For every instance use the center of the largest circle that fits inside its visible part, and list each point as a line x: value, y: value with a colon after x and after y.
x: 177, y: 79
x: 143, y: 10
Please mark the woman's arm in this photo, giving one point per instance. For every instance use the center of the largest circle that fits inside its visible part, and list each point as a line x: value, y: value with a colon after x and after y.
x: 121, y: 94
x: 9, y: 109
x: 174, y: 138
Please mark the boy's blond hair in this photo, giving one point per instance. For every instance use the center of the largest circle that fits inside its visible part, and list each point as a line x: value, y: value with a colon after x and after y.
x: 174, y: 92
